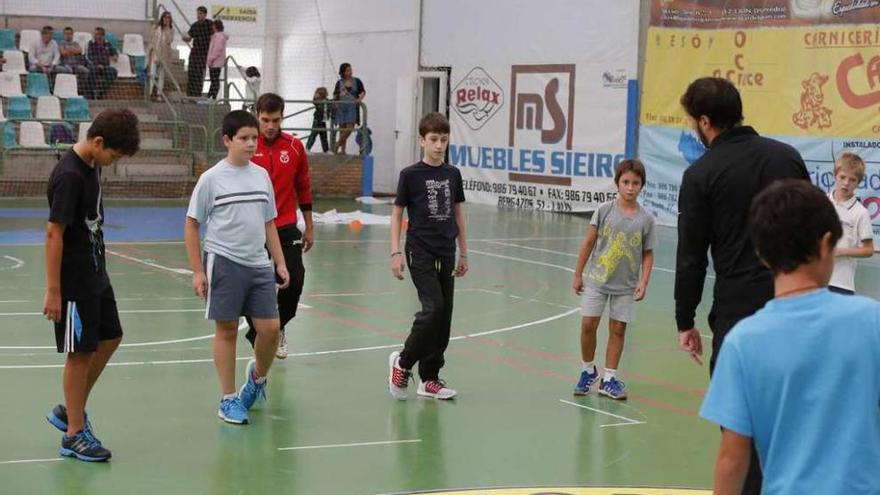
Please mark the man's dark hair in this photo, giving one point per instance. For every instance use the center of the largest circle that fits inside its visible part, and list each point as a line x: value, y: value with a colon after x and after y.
x: 715, y: 98
x: 433, y: 122
x: 46, y: 29
x: 99, y: 29
x: 269, y: 103
x: 253, y: 72
x: 202, y: 8
x: 68, y: 29
x: 634, y: 166
x: 119, y: 128
x: 218, y: 25
x: 787, y: 221
x: 236, y: 119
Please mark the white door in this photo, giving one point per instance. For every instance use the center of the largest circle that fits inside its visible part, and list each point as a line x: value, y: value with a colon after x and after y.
x: 433, y: 92
x: 405, y: 125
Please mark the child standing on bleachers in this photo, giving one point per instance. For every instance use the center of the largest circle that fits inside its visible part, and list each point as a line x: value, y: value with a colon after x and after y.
x: 252, y: 87
x: 319, y: 120
x: 216, y: 57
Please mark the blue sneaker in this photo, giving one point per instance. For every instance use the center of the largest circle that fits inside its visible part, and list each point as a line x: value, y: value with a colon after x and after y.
x: 252, y: 392
x: 232, y: 411
x: 613, y: 388
x: 84, y: 446
x: 57, y: 417
x: 587, y: 380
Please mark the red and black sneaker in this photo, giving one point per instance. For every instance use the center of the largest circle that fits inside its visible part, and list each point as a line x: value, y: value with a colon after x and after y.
x: 436, y: 389
x: 398, y: 378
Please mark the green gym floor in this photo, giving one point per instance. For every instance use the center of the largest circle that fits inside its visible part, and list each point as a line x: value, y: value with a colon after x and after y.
x: 330, y: 426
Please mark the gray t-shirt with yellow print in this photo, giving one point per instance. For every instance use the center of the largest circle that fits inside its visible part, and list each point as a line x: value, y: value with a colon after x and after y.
x: 614, y: 264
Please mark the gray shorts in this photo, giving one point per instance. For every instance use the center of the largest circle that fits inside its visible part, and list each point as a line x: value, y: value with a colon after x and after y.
x: 593, y: 304
x: 236, y: 290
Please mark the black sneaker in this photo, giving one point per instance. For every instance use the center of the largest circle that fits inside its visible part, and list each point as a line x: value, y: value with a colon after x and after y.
x: 84, y: 446
x: 57, y: 417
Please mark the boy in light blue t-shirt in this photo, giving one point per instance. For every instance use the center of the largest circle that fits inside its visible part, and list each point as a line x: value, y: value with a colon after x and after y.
x: 235, y: 201
x: 802, y: 375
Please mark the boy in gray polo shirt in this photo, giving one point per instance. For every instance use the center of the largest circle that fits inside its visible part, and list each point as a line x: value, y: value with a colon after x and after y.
x: 235, y: 200
x: 619, y: 248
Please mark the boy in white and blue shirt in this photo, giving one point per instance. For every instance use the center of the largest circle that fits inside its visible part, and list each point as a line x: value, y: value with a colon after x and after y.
x: 235, y: 200
x: 802, y: 375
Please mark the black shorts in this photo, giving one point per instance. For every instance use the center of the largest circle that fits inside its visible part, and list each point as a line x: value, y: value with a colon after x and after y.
x: 85, y: 322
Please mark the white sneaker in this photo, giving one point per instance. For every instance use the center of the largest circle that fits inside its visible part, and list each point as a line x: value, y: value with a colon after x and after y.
x: 398, y: 378
x: 281, y: 352
x: 436, y: 389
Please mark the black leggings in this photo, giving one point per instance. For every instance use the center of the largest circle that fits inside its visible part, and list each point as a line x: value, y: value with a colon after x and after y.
x: 288, y: 299
x: 430, y: 331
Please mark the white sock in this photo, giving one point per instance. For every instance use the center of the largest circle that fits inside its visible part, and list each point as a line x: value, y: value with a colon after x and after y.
x: 229, y: 396
x: 609, y: 374
x: 589, y: 366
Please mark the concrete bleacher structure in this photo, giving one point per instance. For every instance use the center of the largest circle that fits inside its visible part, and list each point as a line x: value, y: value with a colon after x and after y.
x: 173, y: 143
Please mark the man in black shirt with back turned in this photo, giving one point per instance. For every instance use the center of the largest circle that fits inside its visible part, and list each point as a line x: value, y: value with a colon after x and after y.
x: 200, y: 35
x: 713, y: 207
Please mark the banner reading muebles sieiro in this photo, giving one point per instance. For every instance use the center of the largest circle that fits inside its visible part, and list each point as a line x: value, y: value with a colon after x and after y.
x: 812, y: 81
x: 539, y: 136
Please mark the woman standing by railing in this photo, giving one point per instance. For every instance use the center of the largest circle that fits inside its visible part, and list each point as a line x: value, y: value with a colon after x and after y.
x: 349, y: 93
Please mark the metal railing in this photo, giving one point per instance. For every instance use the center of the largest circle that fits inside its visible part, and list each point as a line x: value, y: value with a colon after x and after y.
x: 307, y: 106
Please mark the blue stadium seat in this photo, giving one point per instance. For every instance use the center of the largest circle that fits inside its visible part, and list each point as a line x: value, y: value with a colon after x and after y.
x: 19, y: 108
x: 37, y: 85
x: 77, y: 109
x: 58, y: 36
x: 7, y: 39
x: 9, y: 135
x: 113, y: 40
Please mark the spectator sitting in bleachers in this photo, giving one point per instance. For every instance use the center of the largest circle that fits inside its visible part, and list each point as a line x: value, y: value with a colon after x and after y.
x: 44, y: 55
x: 101, y: 76
x: 72, y: 58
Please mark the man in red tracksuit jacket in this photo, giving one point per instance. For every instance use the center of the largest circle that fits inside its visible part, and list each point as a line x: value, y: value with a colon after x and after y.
x: 284, y: 157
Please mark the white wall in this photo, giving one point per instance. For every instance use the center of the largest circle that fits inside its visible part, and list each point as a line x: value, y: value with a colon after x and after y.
x: 378, y: 37
x: 463, y: 32
x: 95, y: 9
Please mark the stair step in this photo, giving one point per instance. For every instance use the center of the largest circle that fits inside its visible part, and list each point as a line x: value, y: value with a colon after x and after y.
x: 152, y: 143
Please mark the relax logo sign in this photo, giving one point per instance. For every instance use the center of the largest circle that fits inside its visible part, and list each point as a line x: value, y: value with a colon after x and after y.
x: 576, y: 491
x: 477, y: 98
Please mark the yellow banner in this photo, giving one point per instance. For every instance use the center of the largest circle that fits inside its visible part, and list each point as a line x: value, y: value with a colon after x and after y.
x: 231, y: 13
x: 817, y: 81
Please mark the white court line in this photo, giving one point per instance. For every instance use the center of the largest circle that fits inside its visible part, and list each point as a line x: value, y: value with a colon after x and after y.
x: 333, y: 351
x: 352, y: 294
x: 241, y: 327
x: 562, y: 253
x: 334, y: 241
x: 339, y: 445
x: 291, y: 355
x: 18, y: 263
x: 629, y: 421
x: 179, y: 271
x: 26, y: 461
x: 124, y: 311
x: 540, y: 250
x: 10, y: 301
x: 531, y: 262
